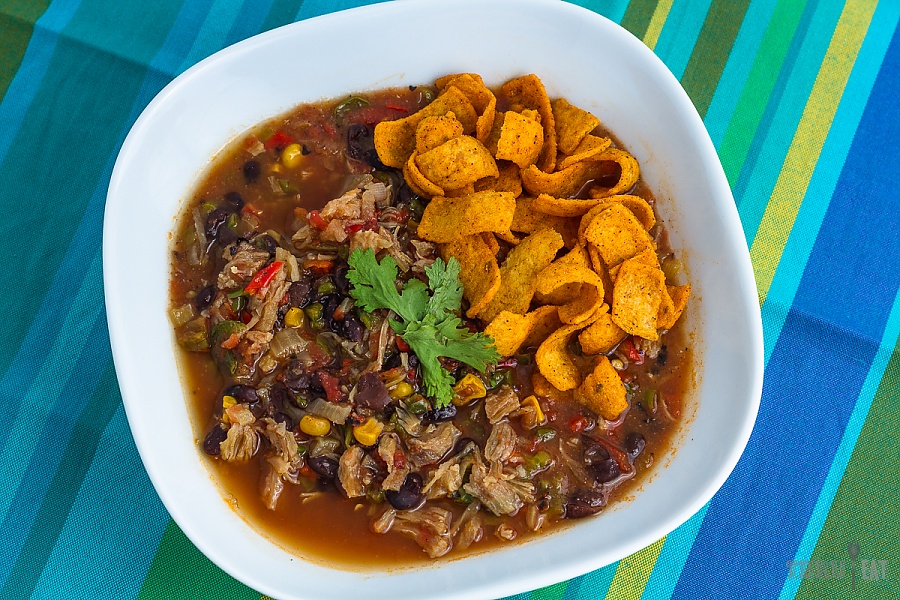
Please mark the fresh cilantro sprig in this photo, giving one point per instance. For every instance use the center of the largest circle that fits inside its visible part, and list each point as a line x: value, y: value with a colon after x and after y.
x: 428, y: 321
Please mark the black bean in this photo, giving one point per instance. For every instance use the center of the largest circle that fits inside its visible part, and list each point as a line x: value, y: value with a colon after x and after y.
x: 605, y: 471
x: 412, y: 360
x: 340, y: 278
x: 353, y: 329
x: 361, y: 145
x: 371, y: 392
x: 634, y: 444
x: 226, y: 235
x: 663, y: 356
x: 266, y: 242
x: 598, y: 462
x: 299, y: 292
x: 215, y: 437
x: 329, y: 305
x: 214, y: 222
x: 438, y: 415
x: 297, y: 382
x: 233, y: 202
x: 594, y: 454
x: 280, y: 400
x: 585, y: 503
x: 392, y: 361
x: 409, y: 495
x: 204, y: 298
x: 251, y: 171
x: 324, y: 466
x: 245, y: 394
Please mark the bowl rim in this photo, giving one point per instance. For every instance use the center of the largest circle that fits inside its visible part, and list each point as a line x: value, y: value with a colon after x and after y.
x: 116, y: 301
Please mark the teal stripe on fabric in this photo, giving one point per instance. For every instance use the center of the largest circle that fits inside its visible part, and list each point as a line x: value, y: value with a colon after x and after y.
x: 27, y: 80
x: 737, y: 69
x: 109, y: 555
x: 212, y: 34
x: 282, y: 13
x: 613, y: 10
x: 777, y: 134
x: 314, y: 8
x: 679, y: 34
x: 594, y: 584
x: 65, y: 482
x: 672, y: 558
x: 248, y: 21
x: 824, y: 179
x: 845, y: 448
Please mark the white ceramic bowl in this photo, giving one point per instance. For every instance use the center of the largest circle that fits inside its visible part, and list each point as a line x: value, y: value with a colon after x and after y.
x: 579, y: 55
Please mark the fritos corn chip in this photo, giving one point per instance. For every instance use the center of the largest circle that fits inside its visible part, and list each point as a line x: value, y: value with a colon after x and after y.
x: 508, y: 180
x: 629, y: 168
x: 577, y: 291
x: 521, y: 140
x: 478, y: 269
x: 602, y: 336
x: 519, y: 271
x: 672, y: 305
x: 590, y: 147
x: 446, y: 219
x: 572, y: 125
x: 603, y: 391
x: 617, y: 235
x: 420, y: 184
x: 529, y: 91
x: 431, y: 132
x: 637, y: 294
x: 555, y: 362
x: 561, y: 184
x: 563, y: 207
x: 457, y: 163
x: 511, y: 331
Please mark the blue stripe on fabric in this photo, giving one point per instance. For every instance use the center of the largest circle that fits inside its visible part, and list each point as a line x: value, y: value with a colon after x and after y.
x: 83, y: 246
x: 613, y: 10
x: 672, y: 557
x: 737, y: 68
x: 825, y: 176
x: 680, y: 33
x: 108, y: 557
x: 314, y: 8
x: 817, y: 371
x: 55, y: 435
x: 30, y: 74
x: 249, y: 21
x: 213, y: 32
x: 779, y: 122
x: 845, y: 448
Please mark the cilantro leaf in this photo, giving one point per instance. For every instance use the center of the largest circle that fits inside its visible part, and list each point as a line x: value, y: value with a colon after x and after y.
x: 374, y: 286
x: 429, y: 324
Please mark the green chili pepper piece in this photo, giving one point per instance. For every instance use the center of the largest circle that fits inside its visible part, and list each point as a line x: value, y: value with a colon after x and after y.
x: 347, y: 106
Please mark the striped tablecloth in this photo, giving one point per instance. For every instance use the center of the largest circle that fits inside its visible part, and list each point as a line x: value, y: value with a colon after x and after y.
x: 802, y: 100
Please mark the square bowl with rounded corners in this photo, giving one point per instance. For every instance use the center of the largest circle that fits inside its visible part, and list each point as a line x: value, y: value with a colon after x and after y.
x: 579, y: 55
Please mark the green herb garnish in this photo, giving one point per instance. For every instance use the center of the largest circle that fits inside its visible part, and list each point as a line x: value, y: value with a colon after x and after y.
x: 429, y: 323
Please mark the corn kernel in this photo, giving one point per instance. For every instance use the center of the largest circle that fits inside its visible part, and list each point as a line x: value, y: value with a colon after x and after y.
x: 227, y: 402
x: 292, y: 155
x: 315, y: 426
x: 401, y: 390
x: 469, y: 388
x: 294, y: 317
x: 367, y: 433
x: 538, y: 413
x: 276, y: 168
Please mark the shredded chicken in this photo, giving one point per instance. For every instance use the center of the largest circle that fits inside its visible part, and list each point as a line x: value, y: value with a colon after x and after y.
x: 433, y: 444
x: 272, y: 296
x: 350, y: 472
x: 505, y: 532
x: 471, y: 532
x: 246, y: 261
x: 444, y: 480
x: 429, y: 527
x: 499, y: 492
x: 374, y: 240
x: 501, y: 443
x: 388, y: 449
x: 241, y: 441
x: 384, y: 521
x: 348, y: 206
x: 500, y: 404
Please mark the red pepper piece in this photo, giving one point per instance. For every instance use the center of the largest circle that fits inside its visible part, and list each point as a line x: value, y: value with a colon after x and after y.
x: 578, y: 423
x: 397, y: 108
x: 401, y: 345
x: 319, y: 266
x: 352, y: 228
x: 631, y: 352
x: 315, y: 219
x: 263, y: 278
x: 278, y: 141
x: 331, y: 385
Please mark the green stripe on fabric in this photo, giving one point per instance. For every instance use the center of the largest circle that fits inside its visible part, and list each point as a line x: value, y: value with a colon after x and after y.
x: 790, y: 188
x: 701, y: 76
x: 17, y: 18
x: 758, y: 88
x: 551, y: 592
x: 638, y: 15
x: 633, y: 572
x: 864, y: 512
x: 654, y: 28
x: 63, y: 489
x: 179, y: 570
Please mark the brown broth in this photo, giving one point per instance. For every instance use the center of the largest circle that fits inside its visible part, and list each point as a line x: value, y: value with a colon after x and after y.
x: 329, y: 528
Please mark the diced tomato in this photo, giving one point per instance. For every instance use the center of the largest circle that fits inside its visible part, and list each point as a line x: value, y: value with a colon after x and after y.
x: 331, y: 385
x: 278, y: 141
x: 263, y: 277
x: 352, y: 228
x: 307, y: 472
x: 399, y: 459
x: 578, y: 423
x: 231, y: 342
x: 631, y: 352
x: 246, y: 316
x: 316, y: 220
x: 318, y: 266
x: 398, y: 108
x: 250, y: 209
x: 401, y: 345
